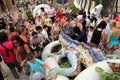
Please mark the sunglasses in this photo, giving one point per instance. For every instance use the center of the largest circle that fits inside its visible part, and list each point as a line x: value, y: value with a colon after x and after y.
x: 15, y: 42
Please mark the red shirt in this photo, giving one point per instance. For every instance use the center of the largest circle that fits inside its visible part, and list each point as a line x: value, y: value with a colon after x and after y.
x: 117, y: 18
x: 10, y: 46
x: 59, y: 15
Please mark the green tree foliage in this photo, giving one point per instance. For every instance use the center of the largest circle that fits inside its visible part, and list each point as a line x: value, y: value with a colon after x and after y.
x: 107, y: 76
x: 74, y: 9
x: 28, y: 13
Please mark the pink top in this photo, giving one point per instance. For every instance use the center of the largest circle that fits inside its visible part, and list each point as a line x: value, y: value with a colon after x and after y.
x: 10, y: 36
x: 51, y: 12
x: 10, y: 46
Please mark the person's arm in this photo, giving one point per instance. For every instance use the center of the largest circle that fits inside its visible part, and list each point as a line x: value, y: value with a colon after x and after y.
x: 42, y: 20
x: 27, y: 49
x: 47, y: 66
x: 15, y: 51
x: 52, y: 28
x: 24, y: 38
x: 31, y: 41
x: 31, y: 44
x: 46, y: 37
x: 43, y: 38
x: 43, y: 64
x: 23, y: 63
x: 103, y: 38
x: 35, y: 21
x: 41, y: 42
x: 108, y: 38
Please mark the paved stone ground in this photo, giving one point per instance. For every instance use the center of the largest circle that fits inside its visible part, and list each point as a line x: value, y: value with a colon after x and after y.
x: 9, y: 74
x: 21, y: 74
x: 4, y: 66
x: 6, y: 69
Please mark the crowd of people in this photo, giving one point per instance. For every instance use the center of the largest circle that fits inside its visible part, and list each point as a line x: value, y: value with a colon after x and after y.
x: 23, y: 39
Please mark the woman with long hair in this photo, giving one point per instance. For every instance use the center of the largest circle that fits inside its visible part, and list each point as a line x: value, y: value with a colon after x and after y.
x: 113, y: 38
x: 23, y: 34
x: 21, y: 48
x: 8, y: 54
x: 98, y: 35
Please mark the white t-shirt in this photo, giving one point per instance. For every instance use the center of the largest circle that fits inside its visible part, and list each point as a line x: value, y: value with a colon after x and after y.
x: 89, y: 36
x: 87, y: 22
x: 99, y: 21
x: 92, y: 24
x: 79, y: 17
x: 38, y: 23
x: 44, y: 34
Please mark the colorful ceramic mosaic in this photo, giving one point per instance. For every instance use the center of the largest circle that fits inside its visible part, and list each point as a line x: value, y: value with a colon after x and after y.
x: 85, y: 53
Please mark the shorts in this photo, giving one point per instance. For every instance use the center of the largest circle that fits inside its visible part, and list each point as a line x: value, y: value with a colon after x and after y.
x: 36, y: 76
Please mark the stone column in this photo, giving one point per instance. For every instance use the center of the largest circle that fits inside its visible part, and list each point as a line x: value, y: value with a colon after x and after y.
x: 0, y: 11
x: 71, y: 2
x: 9, y: 5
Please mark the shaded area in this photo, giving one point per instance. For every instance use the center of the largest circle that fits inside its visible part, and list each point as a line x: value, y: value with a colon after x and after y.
x: 13, y: 2
x: 2, y: 5
x: 56, y: 48
x: 64, y: 63
x: 107, y: 4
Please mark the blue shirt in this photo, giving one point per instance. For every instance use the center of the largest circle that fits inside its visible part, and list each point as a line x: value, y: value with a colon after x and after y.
x: 114, y: 40
x: 36, y: 66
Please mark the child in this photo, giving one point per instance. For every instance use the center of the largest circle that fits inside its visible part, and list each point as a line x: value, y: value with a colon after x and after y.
x: 36, y: 66
x: 89, y: 35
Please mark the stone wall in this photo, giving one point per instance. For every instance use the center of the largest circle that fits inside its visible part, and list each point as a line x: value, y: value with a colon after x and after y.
x: 57, y: 5
x: 0, y: 11
x: 8, y: 4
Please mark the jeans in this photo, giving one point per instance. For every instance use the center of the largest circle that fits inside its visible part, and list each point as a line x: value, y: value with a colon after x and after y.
x: 36, y: 76
x: 12, y: 66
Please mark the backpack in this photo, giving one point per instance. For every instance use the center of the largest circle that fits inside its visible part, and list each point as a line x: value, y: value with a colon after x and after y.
x: 7, y: 50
